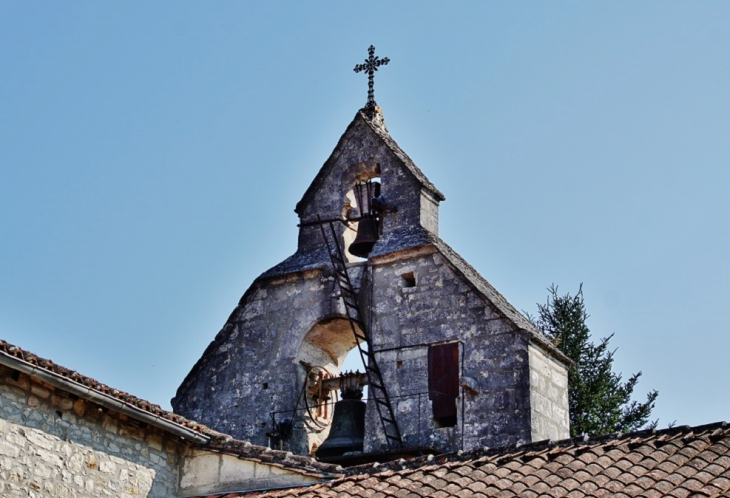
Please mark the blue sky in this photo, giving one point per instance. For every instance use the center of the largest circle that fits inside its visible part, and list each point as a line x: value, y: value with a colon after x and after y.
x: 152, y: 155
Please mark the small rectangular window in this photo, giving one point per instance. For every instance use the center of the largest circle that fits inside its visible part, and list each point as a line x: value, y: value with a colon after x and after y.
x: 409, y: 279
x: 443, y: 382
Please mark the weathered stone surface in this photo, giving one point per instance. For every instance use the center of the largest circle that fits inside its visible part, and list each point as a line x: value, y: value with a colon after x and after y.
x: 47, y: 450
x: 414, y: 291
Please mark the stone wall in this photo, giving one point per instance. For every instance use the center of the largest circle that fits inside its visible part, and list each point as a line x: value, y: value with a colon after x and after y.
x: 429, y: 212
x: 433, y: 305
x: 411, y: 293
x: 52, y: 445
x: 361, y: 155
x: 287, y: 321
x: 548, y: 397
x: 258, y: 363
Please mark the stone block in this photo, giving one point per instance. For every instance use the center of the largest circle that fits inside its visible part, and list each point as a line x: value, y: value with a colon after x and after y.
x: 154, y: 441
x: 132, y: 432
x: 9, y: 450
x: 62, y: 402
x: 40, y: 391
x: 41, y: 439
x: 110, y: 424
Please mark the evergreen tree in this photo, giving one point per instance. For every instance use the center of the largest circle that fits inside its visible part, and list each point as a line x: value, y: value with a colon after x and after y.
x: 598, y: 400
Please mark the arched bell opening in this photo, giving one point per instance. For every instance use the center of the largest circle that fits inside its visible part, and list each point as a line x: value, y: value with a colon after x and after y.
x: 321, y: 357
x: 359, y: 209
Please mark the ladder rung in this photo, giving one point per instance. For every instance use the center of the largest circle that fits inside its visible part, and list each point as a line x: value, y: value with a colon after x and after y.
x: 353, y: 306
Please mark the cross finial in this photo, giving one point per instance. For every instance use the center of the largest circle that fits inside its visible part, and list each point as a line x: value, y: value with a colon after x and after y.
x: 372, y: 63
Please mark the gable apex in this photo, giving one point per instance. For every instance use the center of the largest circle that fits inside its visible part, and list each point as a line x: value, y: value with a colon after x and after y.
x: 373, y: 119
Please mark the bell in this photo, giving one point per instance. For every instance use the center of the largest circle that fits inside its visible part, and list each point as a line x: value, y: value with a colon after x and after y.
x: 367, y: 236
x: 348, y: 427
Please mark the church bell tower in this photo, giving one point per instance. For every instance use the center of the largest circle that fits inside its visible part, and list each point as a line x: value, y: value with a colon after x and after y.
x: 449, y: 363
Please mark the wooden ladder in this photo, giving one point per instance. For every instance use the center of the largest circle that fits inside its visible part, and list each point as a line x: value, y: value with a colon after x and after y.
x: 378, y: 392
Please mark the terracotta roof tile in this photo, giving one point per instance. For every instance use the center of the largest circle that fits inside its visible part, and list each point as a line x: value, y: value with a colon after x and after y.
x: 720, y: 482
x: 588, y: 487
x: 679, y: 493
x: 47, y: 365
x: 673, y: 462
x: 614, y: 486
x: 605, y: 461
x: 592, y: 469
x: 576, y: 494
x: 602, y: 479
x: 528, y: 493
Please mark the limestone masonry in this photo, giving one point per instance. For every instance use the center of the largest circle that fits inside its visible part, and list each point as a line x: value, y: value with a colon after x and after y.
x: 419, y: 300
x: 54, y: 445
x: 477, y: 396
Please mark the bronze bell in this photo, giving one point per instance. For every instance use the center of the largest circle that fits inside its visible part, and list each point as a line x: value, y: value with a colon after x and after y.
x: 367, y: 236
x: 348, y: 426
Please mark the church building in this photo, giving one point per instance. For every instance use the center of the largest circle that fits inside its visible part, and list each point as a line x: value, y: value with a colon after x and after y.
x: 460, y: 395
x: 450, y: 364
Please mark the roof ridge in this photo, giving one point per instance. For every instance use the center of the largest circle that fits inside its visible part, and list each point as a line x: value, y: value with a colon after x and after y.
x: 519, y: 448
x: 47, y: 365
x: 403, y: 156
x: 497, y: 299
x: 389, y: 142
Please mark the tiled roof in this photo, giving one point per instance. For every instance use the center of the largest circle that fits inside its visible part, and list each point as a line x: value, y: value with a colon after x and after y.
x: 221, y: 443
x: 679, y: 462
x: 95, y: 385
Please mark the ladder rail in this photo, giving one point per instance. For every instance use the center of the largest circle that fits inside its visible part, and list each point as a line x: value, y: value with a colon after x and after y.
x: 352, y: 309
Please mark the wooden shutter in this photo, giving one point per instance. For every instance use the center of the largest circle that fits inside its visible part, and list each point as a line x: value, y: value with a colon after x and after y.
x: 443, y: 381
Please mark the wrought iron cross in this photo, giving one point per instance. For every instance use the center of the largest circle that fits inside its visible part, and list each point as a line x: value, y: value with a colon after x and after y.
x: 372, y: 63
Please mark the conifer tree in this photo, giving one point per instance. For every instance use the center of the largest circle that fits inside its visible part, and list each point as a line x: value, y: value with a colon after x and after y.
x: 598, y: 400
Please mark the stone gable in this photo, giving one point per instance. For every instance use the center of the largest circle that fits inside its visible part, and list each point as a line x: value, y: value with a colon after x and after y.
x: 415, y: 292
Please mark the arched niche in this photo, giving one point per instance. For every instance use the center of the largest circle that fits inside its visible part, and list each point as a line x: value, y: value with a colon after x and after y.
x: 352, y: 209
x: 327, y: 344
x: 323, y: 350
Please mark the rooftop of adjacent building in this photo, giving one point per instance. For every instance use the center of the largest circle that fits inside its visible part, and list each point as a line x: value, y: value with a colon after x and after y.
x: 679, y: 461
x: 205, y: 438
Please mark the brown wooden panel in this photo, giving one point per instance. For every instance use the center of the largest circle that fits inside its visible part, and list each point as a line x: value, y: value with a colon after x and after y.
x: 443, y: 380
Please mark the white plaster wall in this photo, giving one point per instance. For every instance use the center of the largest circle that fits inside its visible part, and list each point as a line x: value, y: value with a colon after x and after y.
x: 206, y: 472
